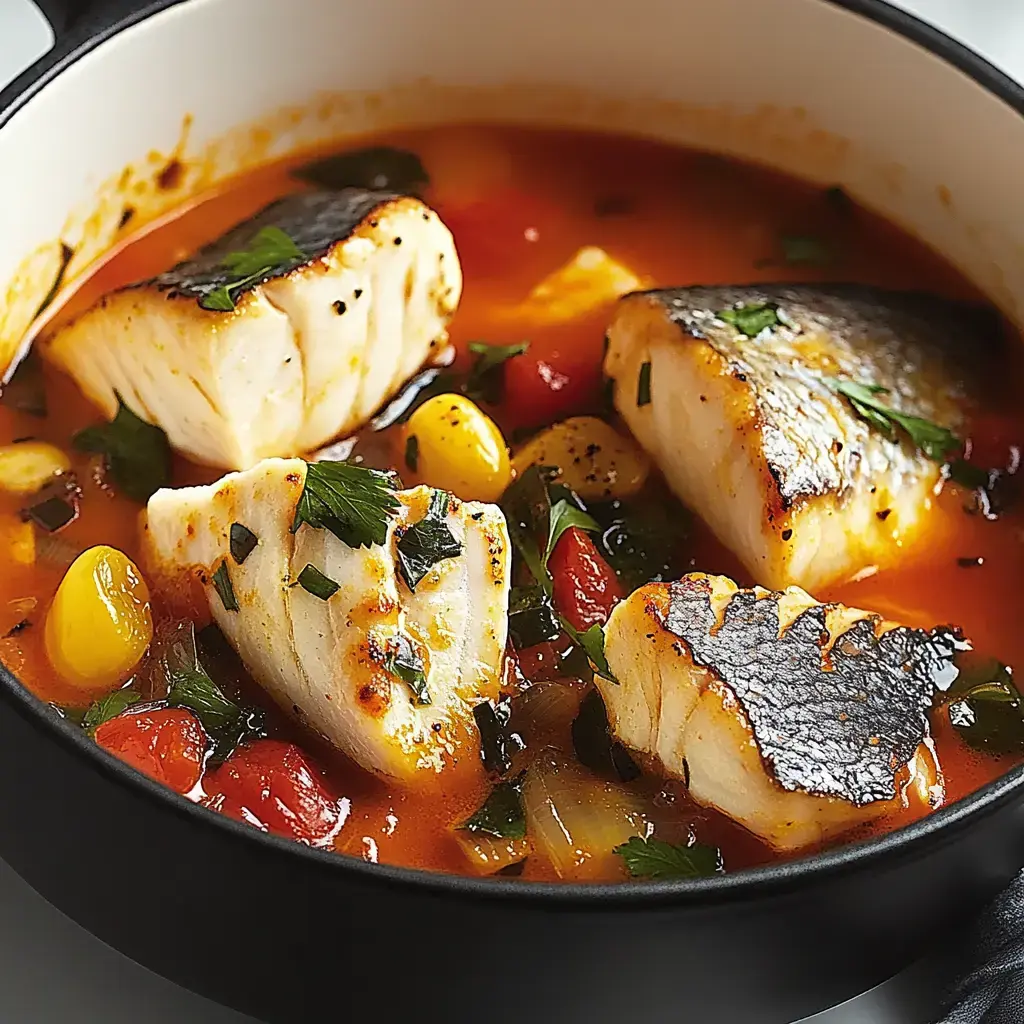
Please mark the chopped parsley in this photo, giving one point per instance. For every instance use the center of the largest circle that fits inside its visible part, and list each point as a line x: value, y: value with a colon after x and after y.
x: 986, y: 707
x: 486, y: 379
x: 401, y: 660
x: 751, y: 320
x: 225, y: 589
x: 427, y: 542
x: 564, y: 516
x: 137, y: 454
x: 374, y: 167
x: 654, y: 858
x: 108, y: 707
x: 270, y: 251
x: 314, y: 582
x: 352, y: 502
x: 643, y: 385
x: 932, y: 440
x: 501, y: 814
x: 243, y: 542
x: 531, y: 617
x: 592, y: 642
x: 225, y: 722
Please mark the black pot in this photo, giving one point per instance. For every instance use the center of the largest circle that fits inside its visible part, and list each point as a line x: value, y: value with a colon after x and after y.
x: 288, y: 933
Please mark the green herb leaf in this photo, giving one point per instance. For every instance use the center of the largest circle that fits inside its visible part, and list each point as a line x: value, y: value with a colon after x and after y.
x: 933, y: 441
x: 642, y: 542
x: 195, y: 690
x: 375, y: 167
x: 592, y: 642
x: 531, y: 617
x: 402, y: 661
x: 486, y: 379
x: 968, y: 475
x: 137, y: 453
x: 412, y: 452
x: 643, y: 385
x: 314, y: 582
x: 243, y: 542
x: 270, y: 251
x: 654, y: 858
x: 986, y: 707
x: 594, y: 745
x: 497, y: 742
x: 526, y: 504
x: 803, y: 250
x: 753, y: 319
x: 501, y: 814
x: 349, y: 501
x: 564, y: 516
x: 427, y: 542
x: 222, y: 584
x: 108, y: 707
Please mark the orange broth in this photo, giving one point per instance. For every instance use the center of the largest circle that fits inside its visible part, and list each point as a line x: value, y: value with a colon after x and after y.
x: 520, y: 202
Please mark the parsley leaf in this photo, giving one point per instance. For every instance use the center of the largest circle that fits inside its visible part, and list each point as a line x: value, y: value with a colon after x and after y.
x: 374, y: 167
x: 402, y: 660
x: 314, y: 582
x: 349, y: 501
x: 486, y: 379
x: 753, y: 319
x: 225, y: 589
x: 933, y: 441
x: 986, y: 707
x: 531, y: 617
x: 270, y: 251
x: 526, y: 504
x: 654, y: 858
x: 108, y: 707
x: 225, y: 722
x: 243, y: 542
x: 501, y: 814
x: 643, y: 385
x: 498, y: 743
x: 564, y: 516
x: 427, y: 542
x: 592, y: 642
x: 137, y: 453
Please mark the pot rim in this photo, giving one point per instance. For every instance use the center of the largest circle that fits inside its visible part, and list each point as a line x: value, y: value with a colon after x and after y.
x: 773, y: 879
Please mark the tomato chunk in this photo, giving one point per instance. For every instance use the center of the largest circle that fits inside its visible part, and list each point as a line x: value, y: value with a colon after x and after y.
x: 586, y: 588
x: 995, y: 442
x: 167, y: 744
x: 272, y: 785
x: 551, y: 385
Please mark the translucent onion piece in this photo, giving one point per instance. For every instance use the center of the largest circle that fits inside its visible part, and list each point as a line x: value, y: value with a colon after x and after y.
x: 576, y: 820
x: 55, y: 551
x: 488, y: 854
x: 544, y: 713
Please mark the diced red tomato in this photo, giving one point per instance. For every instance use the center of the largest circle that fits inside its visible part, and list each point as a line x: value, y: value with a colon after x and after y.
x: 542, y: 387
x: 586, y: 588
x: 995, y: 442
x: 273, y: 786
x: 167, y: 744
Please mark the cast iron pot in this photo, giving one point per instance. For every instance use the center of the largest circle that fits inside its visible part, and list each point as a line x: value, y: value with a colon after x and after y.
x: 852, y: 92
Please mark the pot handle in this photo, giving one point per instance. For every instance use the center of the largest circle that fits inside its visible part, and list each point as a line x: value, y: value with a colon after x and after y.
x: 84, y: 18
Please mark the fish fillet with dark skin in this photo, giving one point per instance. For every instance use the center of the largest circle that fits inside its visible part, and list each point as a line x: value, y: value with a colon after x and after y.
x: 797, y: 719
x: 752, y: 435
x: 312, y: 347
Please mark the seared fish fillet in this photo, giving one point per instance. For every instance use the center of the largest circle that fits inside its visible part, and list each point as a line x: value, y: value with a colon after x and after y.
x: 751, y: 435
x: 797, y: 719
x: 326, y: 661
x: 311, y: 349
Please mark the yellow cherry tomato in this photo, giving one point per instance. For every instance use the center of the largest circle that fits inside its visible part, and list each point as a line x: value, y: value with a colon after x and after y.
x: 457, y: 449
x: 99, y: 624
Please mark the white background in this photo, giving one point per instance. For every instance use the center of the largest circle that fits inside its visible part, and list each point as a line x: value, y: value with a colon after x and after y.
x: 50, y: 969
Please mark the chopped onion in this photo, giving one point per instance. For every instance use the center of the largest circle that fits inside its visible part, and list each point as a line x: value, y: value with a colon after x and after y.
x: 55, y: 551
x: 544, y: 713
x: 576, y: 820
x: 488, y: 854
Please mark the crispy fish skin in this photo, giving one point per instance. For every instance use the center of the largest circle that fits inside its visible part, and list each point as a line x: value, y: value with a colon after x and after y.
x: 750, y: 434
x: 311, y: 349
x: 799, y: 720
x: 326, y: 661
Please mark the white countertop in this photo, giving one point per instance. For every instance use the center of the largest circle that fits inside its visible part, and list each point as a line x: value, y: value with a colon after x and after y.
x: 50, y: 969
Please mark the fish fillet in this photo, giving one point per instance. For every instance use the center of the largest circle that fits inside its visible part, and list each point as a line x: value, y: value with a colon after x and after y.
x: 310, y: 350
x: 750, y: 433
x: 797, y: 719
x: 326, y: 661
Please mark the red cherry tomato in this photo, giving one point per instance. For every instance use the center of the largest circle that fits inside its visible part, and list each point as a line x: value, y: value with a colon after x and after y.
x: 168, y: 745
x: 586, y: 588
x: 544, y: 387
x: 273, y: 786
x: 995, y: 442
